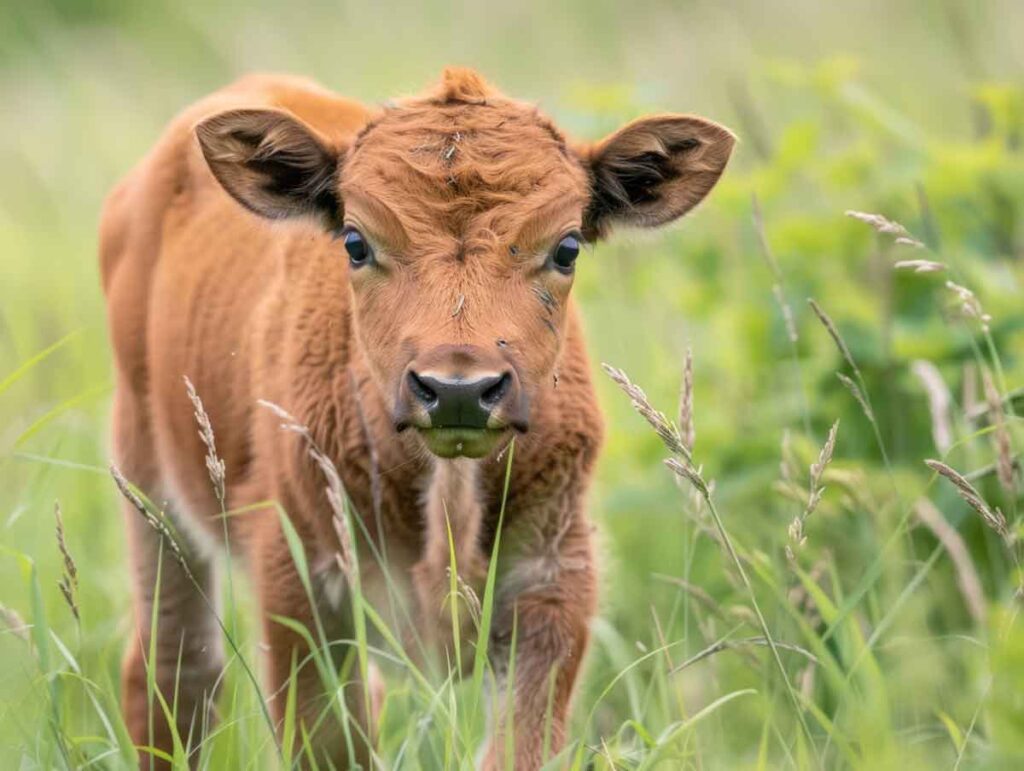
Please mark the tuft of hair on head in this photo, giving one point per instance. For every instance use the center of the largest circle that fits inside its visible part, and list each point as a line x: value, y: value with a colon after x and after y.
x: 461, y: 84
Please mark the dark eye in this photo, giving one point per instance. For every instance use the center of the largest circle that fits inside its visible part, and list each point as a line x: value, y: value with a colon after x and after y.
x: 359, y: 252
x: 565, y: 254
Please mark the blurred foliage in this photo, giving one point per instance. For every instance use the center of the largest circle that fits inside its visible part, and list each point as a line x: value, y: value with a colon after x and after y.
x: 914, y: 109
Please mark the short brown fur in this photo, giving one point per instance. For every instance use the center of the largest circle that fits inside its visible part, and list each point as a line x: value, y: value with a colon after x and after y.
x: 463, y: 195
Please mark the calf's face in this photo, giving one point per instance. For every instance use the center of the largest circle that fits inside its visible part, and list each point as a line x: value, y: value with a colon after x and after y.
x: 461, y: 215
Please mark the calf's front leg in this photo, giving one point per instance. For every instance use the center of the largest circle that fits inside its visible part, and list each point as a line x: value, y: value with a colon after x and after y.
x: 282, y: 594
x: 547, y: 593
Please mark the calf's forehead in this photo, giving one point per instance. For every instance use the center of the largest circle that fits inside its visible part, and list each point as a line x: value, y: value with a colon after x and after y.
x: 456, y: 165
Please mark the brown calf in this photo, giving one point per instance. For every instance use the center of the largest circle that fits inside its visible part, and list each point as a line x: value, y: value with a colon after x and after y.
x: 398, y: 279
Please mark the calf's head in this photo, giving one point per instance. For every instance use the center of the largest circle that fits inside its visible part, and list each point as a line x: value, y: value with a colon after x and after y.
x: 461, y: 215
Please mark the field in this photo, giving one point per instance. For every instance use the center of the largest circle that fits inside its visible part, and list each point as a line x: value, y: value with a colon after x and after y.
x: 821, y: 606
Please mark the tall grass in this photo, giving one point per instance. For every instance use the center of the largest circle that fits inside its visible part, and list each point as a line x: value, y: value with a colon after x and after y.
x: 883, y: 634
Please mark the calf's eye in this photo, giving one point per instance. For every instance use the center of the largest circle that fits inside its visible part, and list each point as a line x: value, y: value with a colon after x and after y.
x: 565, y: 254
x: 359, y: 252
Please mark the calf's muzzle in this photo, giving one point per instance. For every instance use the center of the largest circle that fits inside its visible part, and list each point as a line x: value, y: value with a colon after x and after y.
x: 461, y: 388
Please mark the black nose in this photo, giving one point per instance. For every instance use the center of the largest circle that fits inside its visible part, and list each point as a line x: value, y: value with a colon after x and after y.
x: 459, y: 402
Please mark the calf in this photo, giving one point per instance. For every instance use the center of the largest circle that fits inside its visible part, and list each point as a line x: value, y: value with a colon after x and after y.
x: 398, y: 279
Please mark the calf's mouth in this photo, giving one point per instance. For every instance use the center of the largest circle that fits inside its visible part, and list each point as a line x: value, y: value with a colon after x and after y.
x: 460, y: 442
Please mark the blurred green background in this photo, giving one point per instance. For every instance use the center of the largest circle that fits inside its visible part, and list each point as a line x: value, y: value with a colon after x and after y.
x: 914, y: 109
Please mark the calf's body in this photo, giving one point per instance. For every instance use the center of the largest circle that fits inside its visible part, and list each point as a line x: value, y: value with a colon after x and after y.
x: 366, y: 352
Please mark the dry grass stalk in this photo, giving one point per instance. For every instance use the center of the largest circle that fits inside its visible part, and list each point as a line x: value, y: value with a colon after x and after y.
x: 878, y: 222
x: 939, y: 403
x: 992, y: 517
x: 12, y: 621
x: 683, y: 466
x: 970, y: 306
x: 690, y: 474
x: 796, y: 535
x: 467, y: 593
x: 818, y: 469
x: 815, y: 490
x: 335, y: 490
x: 667, y: 432
x: 919, y: 266
x: 858, y: 394
x: 68, y: 583
x: 911, y: 242
x: 969, y: 392
x: 966, y: 575
x: 671, y: 437
x: 154, y: 521
x: 686, y: 425
x: 343, y: 557
x: 1004, y: 449
x: 214, y: 465
x: 787, y: 313
x: 888, y: 227
x: 833, y: 331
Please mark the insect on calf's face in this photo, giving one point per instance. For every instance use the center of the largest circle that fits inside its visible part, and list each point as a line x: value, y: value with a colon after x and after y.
x: 461, y: 215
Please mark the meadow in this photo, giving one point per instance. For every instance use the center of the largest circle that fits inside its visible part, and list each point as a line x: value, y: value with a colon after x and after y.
x: 797, y: 588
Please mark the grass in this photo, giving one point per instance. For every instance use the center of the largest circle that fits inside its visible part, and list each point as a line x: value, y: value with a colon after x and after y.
x: 883, y: 632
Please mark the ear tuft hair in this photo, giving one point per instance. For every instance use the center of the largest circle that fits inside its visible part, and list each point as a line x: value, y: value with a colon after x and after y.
x: 461, y: 84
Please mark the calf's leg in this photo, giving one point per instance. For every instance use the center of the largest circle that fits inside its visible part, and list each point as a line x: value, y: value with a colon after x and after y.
x: 172, y: 620
x: 546, y: 596
x: 342, y: 735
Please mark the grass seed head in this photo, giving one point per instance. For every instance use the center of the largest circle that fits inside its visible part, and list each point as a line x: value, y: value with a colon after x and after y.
x: 939, y: 402
x: 334, y: 491
x: 913, y: 243
x: 992, y: 517
x: 833, y: 331
x: 12, y: 621
x: 817, y: 470
x: 214, y: 465
x: 687, y: 430
x: 919, y: 266
x: 68, y: 582
x: 690, y: 474
x: 880, y: 223
x: 467, y: 593
x: 969, y: 305
x: 854, y: 389
x: 154, y: 521
x: 667, y: 432
x: 787, y: 313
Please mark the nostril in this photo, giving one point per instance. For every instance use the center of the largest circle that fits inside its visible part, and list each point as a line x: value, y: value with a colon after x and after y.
x: 496, y: 392
x: 421, y: 390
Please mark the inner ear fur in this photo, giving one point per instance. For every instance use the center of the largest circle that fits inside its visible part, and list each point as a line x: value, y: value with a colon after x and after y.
x: 272, y: 164
x: 654, y: 170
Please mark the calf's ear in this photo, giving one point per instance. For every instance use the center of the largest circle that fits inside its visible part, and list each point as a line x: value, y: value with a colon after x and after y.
x: 653, y: 171
x: 272, y: 164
